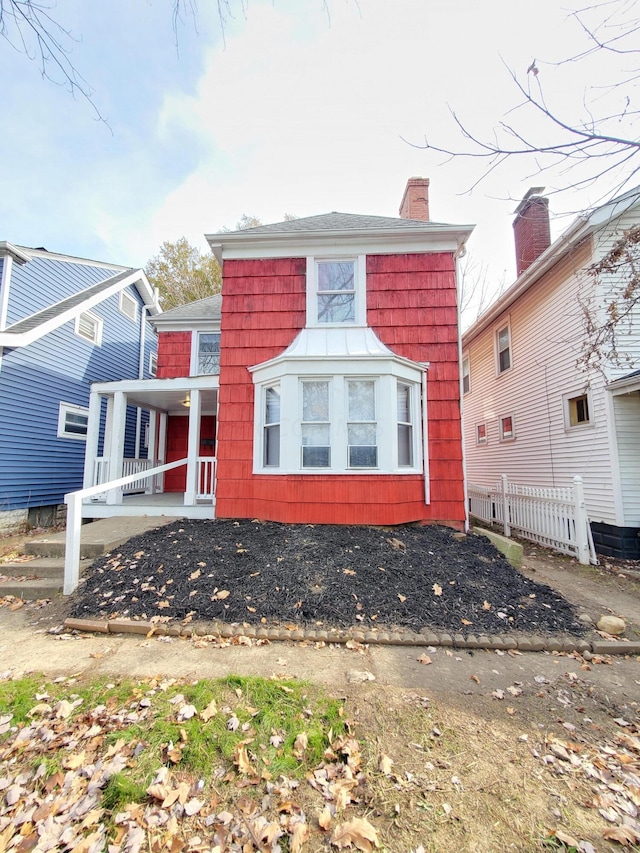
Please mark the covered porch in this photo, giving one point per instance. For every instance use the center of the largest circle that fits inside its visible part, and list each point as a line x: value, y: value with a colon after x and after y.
x: 136, y: 427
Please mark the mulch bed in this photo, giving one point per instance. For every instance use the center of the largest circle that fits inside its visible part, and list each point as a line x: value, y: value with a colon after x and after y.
x: 306, y: 575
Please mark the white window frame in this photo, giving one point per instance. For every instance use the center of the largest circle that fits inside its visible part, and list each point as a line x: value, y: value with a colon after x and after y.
x: 567, y: 400
x: 66, y: 409
x: 411, y: 424
x: 353, y: 422
x: 328, y: 423
x: 195, y: 350
x: 270, y: 426
x: 153, y: 364
x: 360, y: 295
x: 511, y: 436
x: 499, y: 329
x: 484, y: 439
x: 466, y: 374
x: 96, y: 340
x: 128, y: 306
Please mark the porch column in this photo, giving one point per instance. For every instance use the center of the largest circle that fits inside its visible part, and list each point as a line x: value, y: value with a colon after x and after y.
x: 93, y: 434
x: 116, y: 444
x: 162, y: 447
x: 151, y: 448
x: 192, y: 453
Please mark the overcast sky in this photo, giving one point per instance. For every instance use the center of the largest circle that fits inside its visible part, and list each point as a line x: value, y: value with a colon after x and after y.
x: 293, y: 111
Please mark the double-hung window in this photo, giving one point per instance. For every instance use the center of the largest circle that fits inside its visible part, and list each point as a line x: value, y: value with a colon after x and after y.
x: 271, y: 429
x: 362, y: 446
x: 405, y: 426
x: 503, y: 344
x: 336, y: 292
x: 208, y: 356
x: 316, y: 424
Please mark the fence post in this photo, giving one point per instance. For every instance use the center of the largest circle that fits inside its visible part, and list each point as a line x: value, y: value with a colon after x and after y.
x: 505, y: 507
x: 582, y: 520
x: 72, y: 543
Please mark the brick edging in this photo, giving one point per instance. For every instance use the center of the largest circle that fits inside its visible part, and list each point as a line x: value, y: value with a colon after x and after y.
x: 384, y: 638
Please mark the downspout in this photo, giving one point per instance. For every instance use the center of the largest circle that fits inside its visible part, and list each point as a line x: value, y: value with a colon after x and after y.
x: 425, y: 437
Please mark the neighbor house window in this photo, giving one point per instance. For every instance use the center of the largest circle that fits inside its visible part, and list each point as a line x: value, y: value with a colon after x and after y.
x: 466, y: 375
x: 271, y: 429
x: 72, y: 421
x: 208, y: 353
x: 481, y: 433
x: 362, y: 449
x: 89, y: 327
x: 506, y: 428
x: 153, y: 363
x: 405, y: 426
x: 128, y: 305
x: 577, y: 411
x: 503, y: 340
x: 316, y: 425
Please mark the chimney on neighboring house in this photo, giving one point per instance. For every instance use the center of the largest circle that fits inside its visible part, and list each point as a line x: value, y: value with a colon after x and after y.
x: 531, y: 228
x: 415, y: 201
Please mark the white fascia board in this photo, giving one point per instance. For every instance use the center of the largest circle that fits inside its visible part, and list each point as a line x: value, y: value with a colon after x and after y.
x: 429, y: 239
x: 187, y: 326
x: 624, y: 386
x: 148, y: 293
x: 17, y: 254
x: 72, y: 259
x: 352, y: 365
x: 181, y: 383
x: 9, y: 339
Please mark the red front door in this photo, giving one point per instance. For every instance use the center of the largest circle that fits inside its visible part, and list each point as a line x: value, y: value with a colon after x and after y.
x: 178, y: 444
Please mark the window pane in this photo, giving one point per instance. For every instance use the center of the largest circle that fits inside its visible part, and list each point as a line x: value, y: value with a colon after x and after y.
x: 336, y: 308
x: 362, y: 405
x: 363, y: 457
x: 272, y: 406
x: 579, y: 410
x: 364, y: 434
x: 503, y: 338
x: 404, y: 404
x: 209, y: 353
x: 272, y: 445
x: 316, y: 457
x: 315, y: 435
x: 505, y: 360
x: 76, y: 424
x: 315, y: 401
x: 405, y: 445
x: 336, y: 275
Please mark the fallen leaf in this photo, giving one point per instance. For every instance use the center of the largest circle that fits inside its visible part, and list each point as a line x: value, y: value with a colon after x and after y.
x: 241, y: 759
x: 402, y: 597
x: 486, y: 606
x: 299, y: 836
x: 357, y: 832
x: 385, y: 764
x: 194, y: 575
x: 324, y: 818
x: 300, y: 745
x: 425, y: 659
x: 210, y: 711
x: 348, y: 572
x: 466, y: 622
x: 193, y: 806
x: 221, y: 594
x: 437, y: 589
x: 475, y: 678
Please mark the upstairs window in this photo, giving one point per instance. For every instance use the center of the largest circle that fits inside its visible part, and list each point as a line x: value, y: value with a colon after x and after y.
x: 128, y: 305
x: 503, y: 341
x: 316, y: 425
x: 89, y: 327
x: 336, y: 291
x: 481, y: 433
x: 466, y: 375
x: 362, y: 448
x: 208, y: 360
x: 507, y: 432
x: 153, y: 363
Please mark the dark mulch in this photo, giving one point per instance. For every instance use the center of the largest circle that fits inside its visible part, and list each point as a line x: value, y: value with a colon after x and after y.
x: 251, y: 571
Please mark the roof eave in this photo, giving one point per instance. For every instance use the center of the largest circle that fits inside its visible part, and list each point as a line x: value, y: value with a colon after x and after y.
x: 13, y: 251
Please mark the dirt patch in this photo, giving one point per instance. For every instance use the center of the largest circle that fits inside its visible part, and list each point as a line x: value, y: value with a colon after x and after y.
x: 336, y: 576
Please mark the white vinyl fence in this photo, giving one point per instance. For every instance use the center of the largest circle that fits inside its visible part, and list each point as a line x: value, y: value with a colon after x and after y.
x: 553, y: 517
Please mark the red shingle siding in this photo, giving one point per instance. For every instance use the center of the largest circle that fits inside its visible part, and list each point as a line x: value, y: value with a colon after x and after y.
x: 174, y: 355
x: 411, y: 304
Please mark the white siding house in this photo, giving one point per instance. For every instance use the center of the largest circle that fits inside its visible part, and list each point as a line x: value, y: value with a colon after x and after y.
x: 530, y: 410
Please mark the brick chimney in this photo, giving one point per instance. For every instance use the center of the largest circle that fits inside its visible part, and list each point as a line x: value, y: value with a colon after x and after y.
x: 415, y: 201
x: 531, y: 228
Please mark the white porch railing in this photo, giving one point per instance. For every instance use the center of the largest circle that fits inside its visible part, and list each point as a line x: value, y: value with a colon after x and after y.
x: 553, y: 517
x: 206, y: 483
x: 74, y: 501
x: 129, y: 466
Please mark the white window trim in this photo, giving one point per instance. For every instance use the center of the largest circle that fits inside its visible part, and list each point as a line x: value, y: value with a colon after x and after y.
x: 123, y: 298
x: 97, y: 340
x: 360, y: 284
x: 503, y: 325
x: 386, y: 423
x: 503, y: 437
x: 566, y: 408
x: 195, y: 350
x: 69, y: 408
x: 153, y: 364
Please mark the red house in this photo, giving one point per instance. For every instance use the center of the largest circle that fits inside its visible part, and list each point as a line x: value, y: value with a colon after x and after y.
x: 323, y: 386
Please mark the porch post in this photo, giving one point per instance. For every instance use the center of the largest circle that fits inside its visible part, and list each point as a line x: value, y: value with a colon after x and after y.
x: 192, y: 453
x: 151, y: 449
x: 116, y: 445
x: 93, y: 434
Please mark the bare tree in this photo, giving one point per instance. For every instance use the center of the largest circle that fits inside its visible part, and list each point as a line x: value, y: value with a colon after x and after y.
x: 599, y: 140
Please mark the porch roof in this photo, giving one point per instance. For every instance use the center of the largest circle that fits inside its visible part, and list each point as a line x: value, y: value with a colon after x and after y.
x: 162, y: 394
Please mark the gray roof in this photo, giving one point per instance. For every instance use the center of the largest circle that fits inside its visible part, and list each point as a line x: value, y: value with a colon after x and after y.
x: 67, y: 304
x: 332, y: 222
x: 203, y: 309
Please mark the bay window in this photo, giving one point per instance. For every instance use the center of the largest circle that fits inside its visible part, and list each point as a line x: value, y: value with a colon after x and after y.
x: 405, y: 426
x: 316, y: 425
x: 271, y: 429
x: 361, y: 426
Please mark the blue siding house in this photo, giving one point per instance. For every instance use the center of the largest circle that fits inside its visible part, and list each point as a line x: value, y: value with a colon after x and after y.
x: 65, y: 322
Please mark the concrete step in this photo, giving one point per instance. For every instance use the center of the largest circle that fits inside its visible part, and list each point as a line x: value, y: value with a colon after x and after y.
x: 38, y: 567
x: 30, y: 590
x: 97, y: 537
